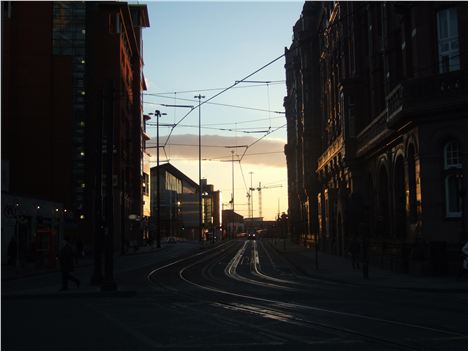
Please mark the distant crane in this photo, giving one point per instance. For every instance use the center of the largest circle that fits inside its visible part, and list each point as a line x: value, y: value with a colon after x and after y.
x: 259, y: 189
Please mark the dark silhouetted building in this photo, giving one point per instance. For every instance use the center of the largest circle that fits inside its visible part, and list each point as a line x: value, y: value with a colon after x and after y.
x: 377, y: 130
x: 179, y: 203
x: 233, y: 224
x: 71, y: 87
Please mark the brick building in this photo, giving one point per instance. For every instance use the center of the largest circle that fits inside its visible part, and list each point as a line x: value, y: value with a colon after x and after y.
x: 71, y: 91
x: 380, y: 90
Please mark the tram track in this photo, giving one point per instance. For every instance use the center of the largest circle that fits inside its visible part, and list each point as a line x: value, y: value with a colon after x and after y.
x: 280, y: 311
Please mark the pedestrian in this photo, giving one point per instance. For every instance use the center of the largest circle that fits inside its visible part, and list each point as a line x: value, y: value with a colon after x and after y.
x: 67, y: 264
x: 355, y: 251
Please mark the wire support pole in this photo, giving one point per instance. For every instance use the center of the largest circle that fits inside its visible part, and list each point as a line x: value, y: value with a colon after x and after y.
x: 200, y: 191
x: 158, y: 185
x: 232, y: 166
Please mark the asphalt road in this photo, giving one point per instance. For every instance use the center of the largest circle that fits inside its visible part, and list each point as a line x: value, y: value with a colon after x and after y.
x: 238, y: 295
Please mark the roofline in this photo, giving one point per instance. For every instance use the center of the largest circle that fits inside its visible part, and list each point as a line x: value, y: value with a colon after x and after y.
x: 171, y: 169
x: 144, y: 14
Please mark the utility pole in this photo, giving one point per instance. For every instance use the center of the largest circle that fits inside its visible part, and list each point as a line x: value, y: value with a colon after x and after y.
x: 200, y: 228
x: 232, y: 164
x: 157, y: 113
x: 251, y: 189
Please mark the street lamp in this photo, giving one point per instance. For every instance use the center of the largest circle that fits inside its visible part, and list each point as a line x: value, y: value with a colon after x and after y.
x: 158, y: 114
x: 199, y: 97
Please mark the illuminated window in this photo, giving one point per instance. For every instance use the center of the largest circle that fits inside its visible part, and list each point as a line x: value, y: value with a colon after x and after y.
x: 453, y: 179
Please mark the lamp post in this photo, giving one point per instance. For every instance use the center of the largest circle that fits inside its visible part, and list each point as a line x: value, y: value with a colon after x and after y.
x: 232, y: 170
x: 158, y: 114
x: 199, y: 97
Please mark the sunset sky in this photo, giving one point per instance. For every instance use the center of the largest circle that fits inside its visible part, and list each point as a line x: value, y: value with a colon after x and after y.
x: 201, y: 47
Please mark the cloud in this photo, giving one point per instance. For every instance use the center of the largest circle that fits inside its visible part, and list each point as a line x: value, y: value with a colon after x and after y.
x: 268, y: 151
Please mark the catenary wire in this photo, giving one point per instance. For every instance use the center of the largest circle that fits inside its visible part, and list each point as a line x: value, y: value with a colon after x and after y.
x: 273, y: 82
x: 212, y: 103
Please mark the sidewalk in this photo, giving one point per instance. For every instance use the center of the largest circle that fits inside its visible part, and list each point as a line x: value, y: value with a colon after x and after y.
x: 339, y: 269
x: 45, y: 283
x: 10, y: 273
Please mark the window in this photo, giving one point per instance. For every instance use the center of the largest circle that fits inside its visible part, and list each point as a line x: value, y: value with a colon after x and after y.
x: 453, y: 179
x: 145, y: 184
x: 447, y: 35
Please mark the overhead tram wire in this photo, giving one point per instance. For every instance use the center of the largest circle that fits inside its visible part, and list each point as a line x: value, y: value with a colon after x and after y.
x: 243, y: 178
x: 211, y: 103
x: 251, y: 130
x: 228, y: 88
x: 256, y: 141
x: 253, y: 154
x: 222, y: 92
x: 274, y: 82
x: 241, y: 122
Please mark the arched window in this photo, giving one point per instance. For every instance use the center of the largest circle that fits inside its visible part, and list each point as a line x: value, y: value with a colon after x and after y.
x: 453, y: 179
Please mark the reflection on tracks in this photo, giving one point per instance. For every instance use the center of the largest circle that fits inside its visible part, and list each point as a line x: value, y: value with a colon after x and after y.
x: 274, y: 309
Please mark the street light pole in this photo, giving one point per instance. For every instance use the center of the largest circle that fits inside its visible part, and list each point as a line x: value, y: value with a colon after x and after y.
x: 232, y: 166
x: 251, y: 197
x: 158, y: 114
x: 158, y: 176
x: 199, y: 97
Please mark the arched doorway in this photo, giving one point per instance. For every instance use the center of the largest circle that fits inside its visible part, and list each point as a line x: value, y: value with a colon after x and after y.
x: 383, y: 222
x: 400, y: 198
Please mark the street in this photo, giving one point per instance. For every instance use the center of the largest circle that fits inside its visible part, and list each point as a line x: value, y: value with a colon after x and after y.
x: 235, y: 295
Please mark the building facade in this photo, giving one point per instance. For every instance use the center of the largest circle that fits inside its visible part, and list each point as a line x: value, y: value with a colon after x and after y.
x: 233, y: 224
x: 79, y: 67
x: 179, y: 203
x: 390, y: 110
x: 211, y: 210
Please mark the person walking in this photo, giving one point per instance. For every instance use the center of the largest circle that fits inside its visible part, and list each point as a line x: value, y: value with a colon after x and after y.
x: 67, y: 264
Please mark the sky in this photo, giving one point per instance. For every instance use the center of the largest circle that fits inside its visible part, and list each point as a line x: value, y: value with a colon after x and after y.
x: 196, y: 48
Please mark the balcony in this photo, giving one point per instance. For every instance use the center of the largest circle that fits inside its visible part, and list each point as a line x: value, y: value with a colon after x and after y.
x: 426, y: 96
x: 372, y: 135
x: 336, y: 147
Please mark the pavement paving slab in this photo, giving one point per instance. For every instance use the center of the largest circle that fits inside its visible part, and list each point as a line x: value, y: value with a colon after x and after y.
x: 339, y: 270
